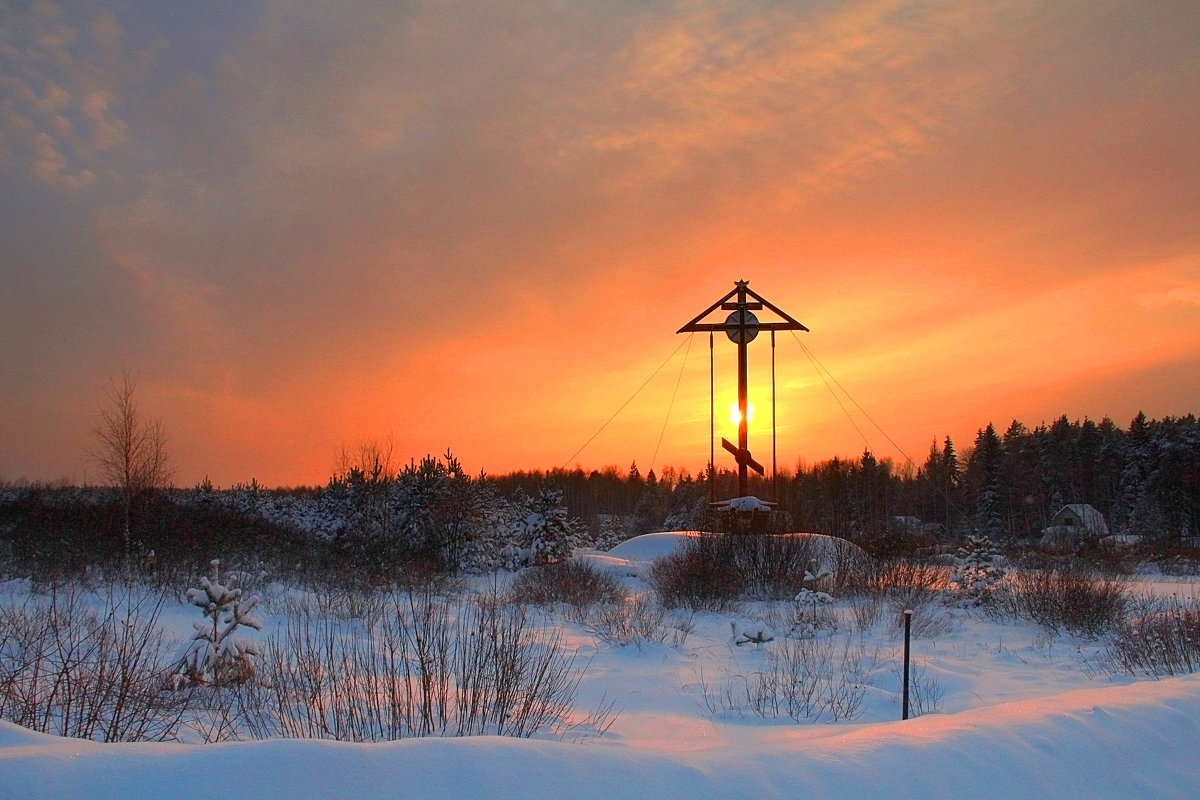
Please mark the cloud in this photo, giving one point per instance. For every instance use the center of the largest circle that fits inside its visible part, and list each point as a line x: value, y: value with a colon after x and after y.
x: 71, y: 89
x: 1171, y: 283
x: 51, y: 167
x: 1179, y: 295
x: 523, y: 196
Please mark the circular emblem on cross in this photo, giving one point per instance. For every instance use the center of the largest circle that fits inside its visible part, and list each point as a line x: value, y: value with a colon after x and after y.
x: 741, y: 326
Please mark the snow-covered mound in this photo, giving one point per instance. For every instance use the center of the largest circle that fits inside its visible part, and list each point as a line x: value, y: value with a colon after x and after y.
x: 1112, y: 742
x: 833, y: 554
x: 650, y: 546
x: 632, y: 557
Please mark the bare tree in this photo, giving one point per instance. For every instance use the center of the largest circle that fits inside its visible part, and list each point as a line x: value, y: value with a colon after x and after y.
x: 375, y: 461
x: 130, y: 449
x: 370, y: 475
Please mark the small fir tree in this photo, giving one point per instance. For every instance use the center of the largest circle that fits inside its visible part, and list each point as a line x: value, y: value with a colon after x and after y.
x: 979, y: 569
x: 215, y: 656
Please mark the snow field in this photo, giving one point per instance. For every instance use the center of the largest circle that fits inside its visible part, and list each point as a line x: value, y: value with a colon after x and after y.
x: 1011, y: 711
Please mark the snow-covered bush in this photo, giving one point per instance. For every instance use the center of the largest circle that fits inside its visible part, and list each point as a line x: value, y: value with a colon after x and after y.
x: 611, y: 530
x: 427, y: 513
x: 689, y: 516
x: 551, y: 535
x: 811, y: 611
x: 978, y: 569
x: 523, y: 531
x: 750, y: 631
x: 216, y: 656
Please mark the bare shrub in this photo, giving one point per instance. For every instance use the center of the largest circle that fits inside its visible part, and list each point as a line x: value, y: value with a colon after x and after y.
x: 68, y: 670
x: 929, y: 621
x: 1073, y: 601
x: 713, y: 570
x: 1162, y: 638
x: 907, y: 586
x: 777, y: 566
x: 637, y: 622
x: 925, y: 692
x: 575, y: 583
x: 336, y: 602
x: 595, y: 724
x: 805, y: 679
x: 866, y: 610
x: 773, y: 567
x: 229, y: 713
x: 699, y: 576
x: 428, y: 669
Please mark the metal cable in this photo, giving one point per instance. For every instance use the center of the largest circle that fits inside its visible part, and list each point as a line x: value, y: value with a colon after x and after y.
x: 627, y: 402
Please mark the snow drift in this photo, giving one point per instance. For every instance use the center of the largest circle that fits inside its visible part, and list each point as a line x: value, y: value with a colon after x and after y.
x: 1138, y: 740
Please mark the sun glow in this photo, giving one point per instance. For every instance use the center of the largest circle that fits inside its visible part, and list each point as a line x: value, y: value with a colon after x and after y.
x: 735, y: 416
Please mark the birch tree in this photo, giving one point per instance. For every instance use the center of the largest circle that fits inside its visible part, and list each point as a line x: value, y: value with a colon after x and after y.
x: 130, y: 448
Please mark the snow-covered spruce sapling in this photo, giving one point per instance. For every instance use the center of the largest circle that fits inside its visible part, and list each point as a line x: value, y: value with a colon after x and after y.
x: 215, y: 656
x: 979, y: 569
x: 805, y: 618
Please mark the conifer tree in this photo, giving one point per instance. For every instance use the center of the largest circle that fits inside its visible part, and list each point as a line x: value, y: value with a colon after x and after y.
x: 215, y: 656
x: 984, y: 481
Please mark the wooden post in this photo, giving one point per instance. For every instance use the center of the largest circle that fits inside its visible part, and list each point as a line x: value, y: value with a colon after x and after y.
x: 743, y: 425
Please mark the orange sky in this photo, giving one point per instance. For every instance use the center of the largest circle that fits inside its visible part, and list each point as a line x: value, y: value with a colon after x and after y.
x: 305, y: 225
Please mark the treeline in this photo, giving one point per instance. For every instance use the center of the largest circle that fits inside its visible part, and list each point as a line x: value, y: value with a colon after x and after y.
x: 372, y: 521
x: 373, y: 515
x: 1145, y: 480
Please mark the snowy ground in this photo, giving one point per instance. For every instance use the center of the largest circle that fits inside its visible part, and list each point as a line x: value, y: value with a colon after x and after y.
x: 1020, y: 713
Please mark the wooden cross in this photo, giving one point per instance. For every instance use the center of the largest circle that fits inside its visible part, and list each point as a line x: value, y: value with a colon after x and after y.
x: 742, y: 326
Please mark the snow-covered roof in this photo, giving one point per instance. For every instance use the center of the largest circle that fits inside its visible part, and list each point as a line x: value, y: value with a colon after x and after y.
x: 744, y: 504
x: 1092, y: 519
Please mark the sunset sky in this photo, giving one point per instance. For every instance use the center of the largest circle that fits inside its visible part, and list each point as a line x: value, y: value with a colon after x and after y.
x: 477, y: 226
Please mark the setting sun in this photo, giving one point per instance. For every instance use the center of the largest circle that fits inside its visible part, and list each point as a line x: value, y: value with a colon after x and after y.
x: 735, y: 416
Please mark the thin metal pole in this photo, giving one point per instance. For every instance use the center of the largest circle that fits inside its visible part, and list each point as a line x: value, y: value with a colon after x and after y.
x: 712, y: 426
x: 907, y: 638
x: 774, y: 462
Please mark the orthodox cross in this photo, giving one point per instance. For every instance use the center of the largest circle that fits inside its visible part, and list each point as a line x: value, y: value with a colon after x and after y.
x: 742, y: 327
